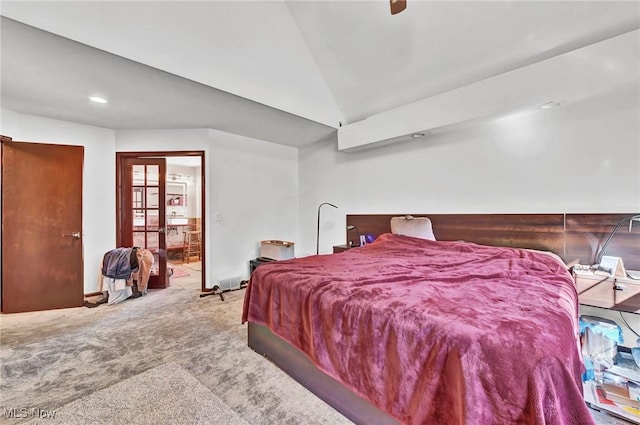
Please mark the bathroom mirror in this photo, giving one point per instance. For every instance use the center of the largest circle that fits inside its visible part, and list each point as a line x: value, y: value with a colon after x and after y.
x: 176, y: 194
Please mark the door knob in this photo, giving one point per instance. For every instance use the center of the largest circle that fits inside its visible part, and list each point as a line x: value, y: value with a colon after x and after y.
x: 161, y: 230
x: 74, y: 235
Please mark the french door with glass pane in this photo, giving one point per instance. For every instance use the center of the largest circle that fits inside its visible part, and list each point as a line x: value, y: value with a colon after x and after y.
x: 143, y: 212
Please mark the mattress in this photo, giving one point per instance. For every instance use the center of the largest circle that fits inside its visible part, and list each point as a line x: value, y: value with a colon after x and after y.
x: 434, y: 332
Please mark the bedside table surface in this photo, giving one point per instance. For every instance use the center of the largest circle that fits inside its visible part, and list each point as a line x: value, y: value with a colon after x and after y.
x: 340, y: 248
x: 611, y: 292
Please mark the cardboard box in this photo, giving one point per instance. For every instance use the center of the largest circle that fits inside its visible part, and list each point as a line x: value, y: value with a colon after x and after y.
x: 277, y: 250
x: 619, y: 400
x: 621, y: 390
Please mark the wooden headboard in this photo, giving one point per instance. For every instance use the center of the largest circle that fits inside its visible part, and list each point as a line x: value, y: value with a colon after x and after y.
x: 574, y: 237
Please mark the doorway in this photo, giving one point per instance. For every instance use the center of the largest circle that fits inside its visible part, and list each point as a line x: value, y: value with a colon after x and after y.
x: 164, y: 212
x: 42, y: 267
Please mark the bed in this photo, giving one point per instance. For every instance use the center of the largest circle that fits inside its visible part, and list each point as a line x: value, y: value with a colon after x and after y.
x: 414, y: 331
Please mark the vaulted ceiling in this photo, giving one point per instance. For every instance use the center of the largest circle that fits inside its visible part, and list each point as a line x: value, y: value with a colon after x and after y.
x: 290, y: 72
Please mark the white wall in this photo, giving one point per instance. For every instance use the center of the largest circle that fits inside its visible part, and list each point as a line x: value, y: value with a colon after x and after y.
x: 252, y: 184
x: 255, y: 191
x: 577, y: 158
x: 98, y: 205
x: 580, y: 157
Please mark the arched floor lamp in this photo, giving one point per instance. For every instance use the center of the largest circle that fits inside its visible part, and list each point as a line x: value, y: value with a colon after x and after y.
x: 601, y: 251
x: 318, y: 231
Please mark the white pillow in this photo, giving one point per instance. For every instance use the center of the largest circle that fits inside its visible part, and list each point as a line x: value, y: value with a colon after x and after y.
x: 417, y: 227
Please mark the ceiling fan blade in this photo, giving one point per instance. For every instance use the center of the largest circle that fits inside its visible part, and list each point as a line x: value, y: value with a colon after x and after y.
x: 397, y: 6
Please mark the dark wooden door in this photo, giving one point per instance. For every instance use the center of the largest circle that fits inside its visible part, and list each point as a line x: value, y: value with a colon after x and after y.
x: 142, y: 186
x: 42, y: 265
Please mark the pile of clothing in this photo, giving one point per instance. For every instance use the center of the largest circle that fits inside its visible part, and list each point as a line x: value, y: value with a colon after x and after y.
x: 124, y: 274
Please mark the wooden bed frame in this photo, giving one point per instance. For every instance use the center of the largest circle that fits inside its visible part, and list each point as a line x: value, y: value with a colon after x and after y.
x: 297, y: 365
x: 574, y: 237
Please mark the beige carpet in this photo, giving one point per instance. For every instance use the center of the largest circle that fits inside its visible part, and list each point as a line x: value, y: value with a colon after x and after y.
x: 165, y: 395
x: 57, y: 360
x: 52, y: 359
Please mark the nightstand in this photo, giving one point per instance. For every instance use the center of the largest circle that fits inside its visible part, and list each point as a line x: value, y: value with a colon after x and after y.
x: 342, y: 248
x: 615, y: 293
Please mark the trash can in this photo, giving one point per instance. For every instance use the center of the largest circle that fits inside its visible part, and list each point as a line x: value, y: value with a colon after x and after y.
x: 600, y: 339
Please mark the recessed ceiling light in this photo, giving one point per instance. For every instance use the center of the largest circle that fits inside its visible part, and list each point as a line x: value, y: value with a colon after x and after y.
x: 551, y: 104
x: 416, y: 135
x: 97, y: 99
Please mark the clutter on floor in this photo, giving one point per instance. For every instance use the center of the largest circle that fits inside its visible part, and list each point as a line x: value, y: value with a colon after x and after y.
x: 124, y: 275
x: 612, y: 377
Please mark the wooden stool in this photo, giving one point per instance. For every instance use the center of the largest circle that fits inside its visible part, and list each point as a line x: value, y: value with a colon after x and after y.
x: 191, y: 245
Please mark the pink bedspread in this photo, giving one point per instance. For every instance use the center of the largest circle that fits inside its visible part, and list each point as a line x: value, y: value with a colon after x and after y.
x: 434, y: 332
